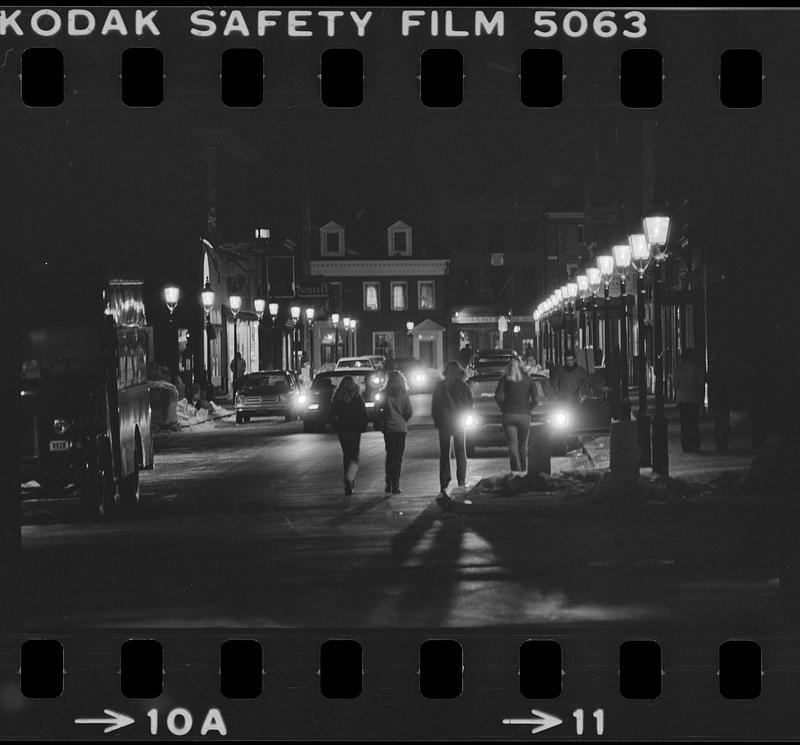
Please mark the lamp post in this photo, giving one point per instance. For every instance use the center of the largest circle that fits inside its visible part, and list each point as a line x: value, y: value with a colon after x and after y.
x: 582, y: 281
x: 353, y: 339
x: 346, y: 328
x: 335, y: 320
x: 640, y: 258
x: 606, y: 266
x: 260, y: 306
x: 595, y: 279
x: 572, y: 294
x: 295, y: 313
x: 273, y: 314
x: 622, y: 261
x: 310, y: 321
x: 171, y: 296
x: 656, y: 231
x: 235, y: 303
x: 410, y: 330
x: 207, y: 296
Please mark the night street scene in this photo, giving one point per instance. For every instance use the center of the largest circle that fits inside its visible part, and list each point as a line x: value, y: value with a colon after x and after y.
x: 399, y: 366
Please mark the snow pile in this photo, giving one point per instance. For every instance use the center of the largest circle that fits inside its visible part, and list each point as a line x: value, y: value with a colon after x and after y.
x: 163, y: 406
x: 188, y: 416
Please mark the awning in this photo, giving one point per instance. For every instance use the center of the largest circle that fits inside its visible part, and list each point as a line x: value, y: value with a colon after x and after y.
x: 488, y: 314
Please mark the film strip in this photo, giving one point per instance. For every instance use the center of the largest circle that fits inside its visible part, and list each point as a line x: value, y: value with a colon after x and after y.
x: 266, y: 266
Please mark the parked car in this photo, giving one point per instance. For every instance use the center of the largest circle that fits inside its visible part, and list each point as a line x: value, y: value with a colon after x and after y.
x: 420, y: 379
x: 490, y: 360
x: 316, y: 401
x: 564, y: 419
x: 378, y: 361
x: 268, y: 393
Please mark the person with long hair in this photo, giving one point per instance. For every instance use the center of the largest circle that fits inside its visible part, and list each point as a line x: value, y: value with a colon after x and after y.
x: 516, y: 397
x: 452, y: 398
x: 348, y: 416
x: 394, y: 411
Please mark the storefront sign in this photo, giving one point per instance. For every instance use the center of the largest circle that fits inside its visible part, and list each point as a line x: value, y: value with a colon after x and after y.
x: 318, y: 290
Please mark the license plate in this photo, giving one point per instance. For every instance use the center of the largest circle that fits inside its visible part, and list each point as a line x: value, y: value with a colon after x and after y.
x: 58, y: 445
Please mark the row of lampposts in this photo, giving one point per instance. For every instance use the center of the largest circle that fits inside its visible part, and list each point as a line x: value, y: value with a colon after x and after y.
x: 260, y: 306
x: 638, y: 253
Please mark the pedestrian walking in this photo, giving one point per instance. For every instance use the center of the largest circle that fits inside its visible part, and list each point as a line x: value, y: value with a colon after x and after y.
x: 452, y: 399
x: 238, y: 366
x: 570, y: 380
x: 516, y: 397
x: 348, y: 416
x: 394, y: 411
x: 465, y: 355
x: 719, y: 398
x: 688, y: 380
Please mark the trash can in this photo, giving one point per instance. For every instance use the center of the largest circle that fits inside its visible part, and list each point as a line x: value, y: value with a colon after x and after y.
x: 624, y: 457
x: 538, y: 449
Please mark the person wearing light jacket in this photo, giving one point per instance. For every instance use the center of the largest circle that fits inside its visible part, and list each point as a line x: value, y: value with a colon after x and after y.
x: 394, y: 411
x: 689, y: 382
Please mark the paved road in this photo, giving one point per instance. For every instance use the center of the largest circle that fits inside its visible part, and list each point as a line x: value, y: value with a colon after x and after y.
x: 248, y: 526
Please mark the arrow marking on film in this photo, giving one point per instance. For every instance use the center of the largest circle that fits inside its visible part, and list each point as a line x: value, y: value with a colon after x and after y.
x: 541, y: 721
x: 114, y: 721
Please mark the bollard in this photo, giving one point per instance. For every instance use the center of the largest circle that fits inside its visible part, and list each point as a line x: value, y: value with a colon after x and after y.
x: 539, y: 449
x: 624, y: 449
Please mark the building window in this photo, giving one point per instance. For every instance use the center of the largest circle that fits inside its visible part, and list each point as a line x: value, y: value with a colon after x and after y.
x: 399, y: 239
x: 335, y: 296
x: 399, y: 295
x: 372, y: 296
x: 331, y: 240
x: 383, y: 343
x: 426, y: 295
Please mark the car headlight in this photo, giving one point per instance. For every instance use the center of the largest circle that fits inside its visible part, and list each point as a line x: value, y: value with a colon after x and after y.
x: 60, y: 426
x: 369, y: 404
x: 469, y: 420
x: 378, y: 396
x: 302, y: 398
x: 376, y: 379
x: 419, y: 377
x: 559, y: 419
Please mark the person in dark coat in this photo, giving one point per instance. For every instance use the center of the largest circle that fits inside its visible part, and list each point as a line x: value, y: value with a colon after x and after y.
x: 689, y: 381
x: 465, y: 355
x: 238, y: 366
x: 570, y: 379
x: 348, y: 416
x: 393, y: 413
x: 516, y: 397
x: 719, y: 398
x: 452, y: 399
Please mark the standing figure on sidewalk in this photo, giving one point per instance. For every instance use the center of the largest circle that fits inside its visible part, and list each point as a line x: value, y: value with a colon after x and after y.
x: 570, y: 379
x: 719, y: 398
x: 348, y: 416
x: 688, y: 380
x: 238, y: 366
x: 452, y: 398
x: 393, y: 413
x: 516, y: 397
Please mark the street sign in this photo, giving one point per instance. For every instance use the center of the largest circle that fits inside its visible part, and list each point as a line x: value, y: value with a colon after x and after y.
x: 497, y: 259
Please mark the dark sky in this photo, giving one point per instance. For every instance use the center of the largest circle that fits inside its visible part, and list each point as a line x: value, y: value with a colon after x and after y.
x: 97, y: 179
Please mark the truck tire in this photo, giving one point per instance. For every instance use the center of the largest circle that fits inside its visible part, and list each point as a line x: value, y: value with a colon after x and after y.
x: 97, y: 490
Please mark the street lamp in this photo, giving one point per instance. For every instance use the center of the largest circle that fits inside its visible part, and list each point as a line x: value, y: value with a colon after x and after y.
x: 353, y: 340
x: 606, y: 266
x: 295, y: 313
x: 622, y: 261
x: 656, y: 231
x: 410, y: 330
x: 273, y: 314
x: 640, y: 259
x: 595, y: 280
x: 335, y: 320
x: 582, y: 281
x: 171, y: 295
x: 310, y: 321
x: 572, y: 294
x: 207, y: 297
x: 260, y: 306
x: 346, y: 327
x: 235, y: 303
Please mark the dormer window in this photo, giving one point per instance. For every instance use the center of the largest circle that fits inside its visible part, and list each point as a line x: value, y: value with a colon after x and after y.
x: 399, y: 239
x: 331, y: 240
